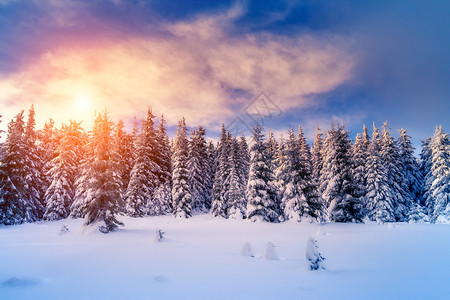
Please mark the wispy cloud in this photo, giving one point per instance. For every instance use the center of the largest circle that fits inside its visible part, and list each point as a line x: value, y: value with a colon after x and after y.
x: 191, y: 71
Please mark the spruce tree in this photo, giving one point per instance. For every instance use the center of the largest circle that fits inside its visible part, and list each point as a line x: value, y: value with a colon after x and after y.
x: 163, y: 192
x: 123, y: 146
x: 440, y: 188
x: 360, y: 155
x: 219, y: 205
x: 316, y: 154
x: 197, y: 165
x: 427, y: 175
x: 262, y: 202
x: 181, y: 195
x: 299, y: 195
x: 211, y: 154
x: 63, y: 171
x: 272, y: 148
x: 339, y: 189
x: 235, y: 195
x: 18, y: 198
x: 103, y: 200
x: 395, y: 174
x: 34, y: 164
x: 380, y: 206
x: 144, y: 174
x: 411, y: 166
x: 244, y: 160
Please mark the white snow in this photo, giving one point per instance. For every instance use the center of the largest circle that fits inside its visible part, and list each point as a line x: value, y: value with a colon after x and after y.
x: 201, y: 259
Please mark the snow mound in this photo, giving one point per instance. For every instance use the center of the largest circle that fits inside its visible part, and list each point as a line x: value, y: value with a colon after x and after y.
x: 271, y: 254
x: 247, y: 250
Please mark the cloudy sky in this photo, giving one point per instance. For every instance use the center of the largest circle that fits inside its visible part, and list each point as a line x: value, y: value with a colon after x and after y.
x: 315, y: 61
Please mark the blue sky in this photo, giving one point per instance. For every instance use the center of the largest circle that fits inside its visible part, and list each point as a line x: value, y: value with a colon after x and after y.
x: 318, y: 61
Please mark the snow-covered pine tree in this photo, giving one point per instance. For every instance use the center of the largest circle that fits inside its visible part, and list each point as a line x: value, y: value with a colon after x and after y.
x: 340, y: 191
x: 304, y: 148
x: 244, y: 162
x: 396, y: 175
x: 313, y: 256
x: 262, y: 202
x: 181, y: 195
x: 219, y: 204
x: 316, y: 154
x: 48, y: 139
x: 360, y: 154
x: 211, y: 170
x: 163, y: 192
x: 144, y: 174
x: 379, y: 198
x: 103, y: 200
x: 425, y: 169
x: 197, y: 165
x: 272, y: 148
x: 411, y: 166
x: 235, y: 195
x: 299, y: 195
x: 63, y: 171
x: 281, y: 173
x: 440, y: 188
x: 34, y: 165
x: 123, y: 146
x: 17, y: 204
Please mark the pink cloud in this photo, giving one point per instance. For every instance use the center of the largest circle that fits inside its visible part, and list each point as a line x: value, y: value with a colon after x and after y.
x: 183, y: 74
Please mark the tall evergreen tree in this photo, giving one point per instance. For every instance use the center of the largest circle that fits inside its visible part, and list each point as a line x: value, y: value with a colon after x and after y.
x: 211, y: 170
x: 411, y: 166
x: 440, y: 188
x: 380, y: 206
x: 360, y: 155
x: 19, y: 200
x: 340, y: 191
x: 163, y: 192
x: 299, y: 195
x: 244, y: 162
x: 144, y: 175
x: 124, y: 148
x: 103, y: 200
x: 198, y: 164
x: 262, y: 202
x: 425, y: 169
x: 220, y: 205
x: 272, y: 148
x: 395, y: 175
x: 316, y: 154
x: 181, y: 195
x: 235, y: 195
x: 63, y: 171
x: 34, y: 163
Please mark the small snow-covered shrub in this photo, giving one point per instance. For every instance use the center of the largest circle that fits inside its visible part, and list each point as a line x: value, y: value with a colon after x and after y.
x: 64, y: 229
x: 159, y: 235
x: 313, y: 255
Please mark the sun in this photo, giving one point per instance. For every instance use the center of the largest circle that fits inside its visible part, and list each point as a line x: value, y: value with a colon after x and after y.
x: 82, y: 102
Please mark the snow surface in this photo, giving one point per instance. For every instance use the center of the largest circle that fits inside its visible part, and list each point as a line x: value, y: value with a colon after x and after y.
x: 199, y: 258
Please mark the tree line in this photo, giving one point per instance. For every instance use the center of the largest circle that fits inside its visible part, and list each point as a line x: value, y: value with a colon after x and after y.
x: 54, y: 173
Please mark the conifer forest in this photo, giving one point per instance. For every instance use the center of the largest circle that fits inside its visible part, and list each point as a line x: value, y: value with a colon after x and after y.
x: 53, y: 173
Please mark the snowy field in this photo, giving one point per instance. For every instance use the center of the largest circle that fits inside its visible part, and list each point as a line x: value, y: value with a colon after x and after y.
x: 200, y: 259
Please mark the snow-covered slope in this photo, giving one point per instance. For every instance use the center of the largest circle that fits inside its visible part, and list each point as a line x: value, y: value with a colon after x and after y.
x: 200, y: 258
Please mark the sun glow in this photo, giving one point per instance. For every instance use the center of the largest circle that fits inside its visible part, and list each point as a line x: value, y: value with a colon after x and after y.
x: 82, y: 102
